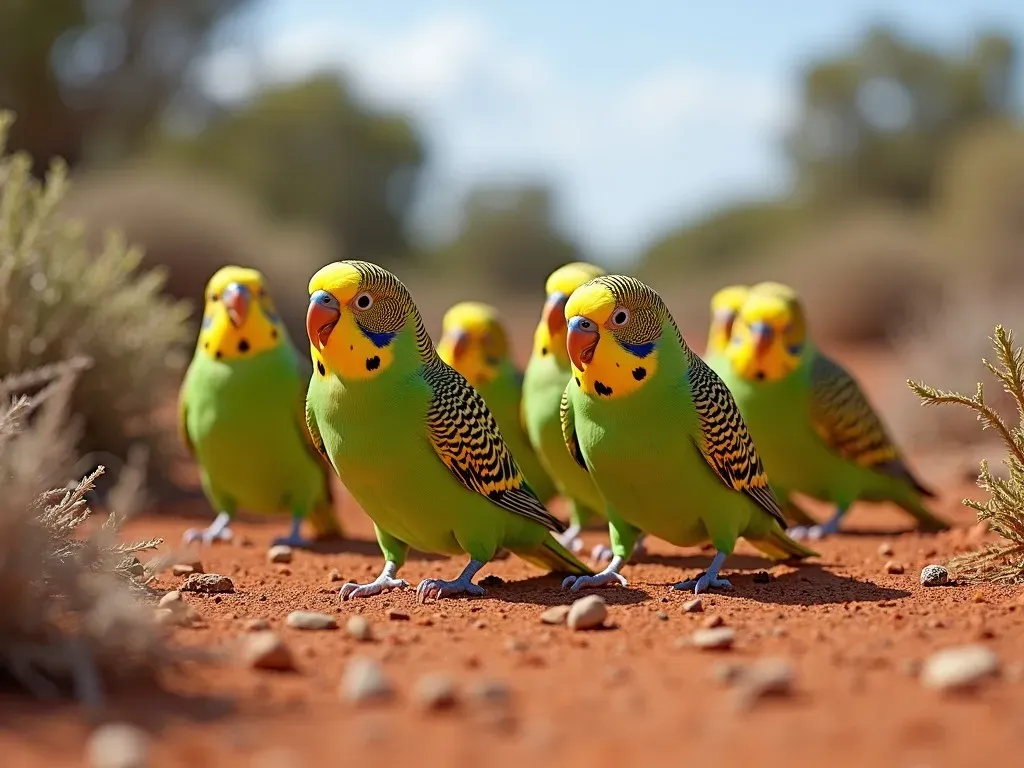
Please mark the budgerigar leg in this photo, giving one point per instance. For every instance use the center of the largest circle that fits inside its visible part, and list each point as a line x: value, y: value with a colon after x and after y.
x: 438, y: 588
x: 817, y: 532
x: 570, y: 538
x: 708, y: 580
x: 218, y: 530
x: 609, y: 576
x: 602, y: 554
x: 294, y: 537
x: 383, y: 583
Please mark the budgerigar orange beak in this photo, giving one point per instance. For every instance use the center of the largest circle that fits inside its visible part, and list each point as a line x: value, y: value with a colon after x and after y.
x: 763, y: 336
x: 554, y: 312
x: 235, y: 298
x: 581, y: 341
x: 457, y: 342
x: 322, y: 315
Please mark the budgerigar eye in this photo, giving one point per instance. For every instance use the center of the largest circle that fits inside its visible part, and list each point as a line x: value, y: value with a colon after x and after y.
x: 364, y: 301
x: 620, y: 316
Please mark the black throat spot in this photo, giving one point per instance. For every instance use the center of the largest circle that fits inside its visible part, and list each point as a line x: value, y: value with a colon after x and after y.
x: 320, y: 368
x: 601, y: 389
x: 243, y: 346
x: 639, y: 373
x: 372, y: 363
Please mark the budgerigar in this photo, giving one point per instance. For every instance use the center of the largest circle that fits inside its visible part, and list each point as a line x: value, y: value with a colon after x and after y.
x: 725, y: 308
x: 661, y: 435
x: 412, y: 440
x: 816, y: 430
x: 547, y: 373
x: 475, y: 343
x: 240, y: 414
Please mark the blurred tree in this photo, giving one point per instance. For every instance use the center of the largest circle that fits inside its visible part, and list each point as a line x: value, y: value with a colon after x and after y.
x: 311, y: 153
x: 876, y: 121
x: 509, y: 235
x: 89, y: 77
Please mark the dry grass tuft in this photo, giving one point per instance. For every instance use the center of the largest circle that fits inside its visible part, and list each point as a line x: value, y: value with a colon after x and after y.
x: 1004, y: 508
x: 71, y: 620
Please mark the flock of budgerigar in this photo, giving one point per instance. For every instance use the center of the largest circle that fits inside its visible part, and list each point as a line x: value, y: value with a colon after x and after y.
x: 451, y: 450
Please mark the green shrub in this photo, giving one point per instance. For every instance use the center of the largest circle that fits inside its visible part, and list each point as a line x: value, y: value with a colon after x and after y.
x: 59, y: 299
x: 1004, y: 507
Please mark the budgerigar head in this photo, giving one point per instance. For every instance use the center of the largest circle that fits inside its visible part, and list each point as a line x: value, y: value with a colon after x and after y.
x: 549, y: 338
x: 239, y: 319
x: 770, y: 334
x: 473, y: 341
x: 725, y: 305
x: 360, y: 319
x: 616, y: 330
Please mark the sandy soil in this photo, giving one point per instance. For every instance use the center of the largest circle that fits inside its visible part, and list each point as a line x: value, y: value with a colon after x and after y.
x: 629, y: 694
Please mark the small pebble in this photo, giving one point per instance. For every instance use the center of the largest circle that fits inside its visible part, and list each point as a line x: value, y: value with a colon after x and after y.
x: 310, y: 620
x: 256, y: 625
x: 434, y: 691
x: 135, y: 567
x: 934, y: 576
x: 662, y: 616
x: 118, y: 745
x: 279, y: 554
x: 720, y: 638
x: 359, y: 628
x: 208, y: 582
x: 587, y: 613
x: 959, y: 668
x: 713, y: 621
x: 769, y: 677
x: 182, y: 570
x: 885, y: 549
x: 893, y: 567
x: 762, y: 577
x: 693, y: 606
x: 394, y: 615
x: 284, y: 570
x: 364, y: 682
x: 335, y: 575
x: 170, y: 599
x: 489, y: 691
x: 727, y: 673
x: 266, y: 650
x: 479, y: 624
x: 516, y: 645
x: 555, y: 615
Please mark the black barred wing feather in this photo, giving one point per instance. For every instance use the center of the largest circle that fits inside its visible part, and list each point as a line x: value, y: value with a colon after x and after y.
x: 844, y: 419
x: 466, y: 438
x: 727, y: 446
x: 572, y: 441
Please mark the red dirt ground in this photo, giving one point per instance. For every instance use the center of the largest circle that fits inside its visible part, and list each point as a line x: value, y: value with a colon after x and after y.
x: 626, y: 695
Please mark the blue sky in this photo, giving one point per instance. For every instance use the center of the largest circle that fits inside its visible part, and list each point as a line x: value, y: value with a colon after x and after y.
x: 642, y: 114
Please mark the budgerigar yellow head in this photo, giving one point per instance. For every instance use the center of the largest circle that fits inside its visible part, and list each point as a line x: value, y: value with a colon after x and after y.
x: 770, y: 334
x: 549, y: 337
x: 725, y: 305
x: 358, y: 313
x: 615, y: 327
x: 239, y: 319
x: 473, y: 341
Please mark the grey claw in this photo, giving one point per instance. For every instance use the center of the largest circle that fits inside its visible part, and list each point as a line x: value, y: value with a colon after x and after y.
x: 799, y: 532
x: 601, y: 554
x: 605, y: 578
x: 352, y: 590
x: 703, y: 584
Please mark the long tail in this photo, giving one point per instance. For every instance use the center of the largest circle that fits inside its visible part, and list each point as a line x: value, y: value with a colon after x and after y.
x: 324, y: 517
x: 778, y: 545
x: 926, y: 520
x: 553, y: 557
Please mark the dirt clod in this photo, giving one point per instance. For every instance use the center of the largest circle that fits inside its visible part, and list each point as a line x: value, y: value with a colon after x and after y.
x: 693, y: 606
x: 885, y: 549
x: 769, y: 677
x: 118, y: 745
x: 762, y: 577
x: 266, y: 650
x: 365, y: 682
x: 358, y: 627
x: 434, y: 691
x: 555, y: 615
x: 934, y: 576
x: 310, y: 620
x: 893, y: 567
x: 335, y: 575
x: 489, y: 691
x: 256, y: 625
x: 713, y: 621
x: 279, y: 554
x: 587, y: 613
x: 956, y: 669
x: 394, y: 615
x: 210, y: 583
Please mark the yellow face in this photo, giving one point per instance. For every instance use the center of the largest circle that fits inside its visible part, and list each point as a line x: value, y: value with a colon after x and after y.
x: 473, y: 341
x: 239, y: 318
x: 768, y: 337
x: 725, y: 306
x: 356, y: 311
x: 549, y: 337
x: 612, y: 343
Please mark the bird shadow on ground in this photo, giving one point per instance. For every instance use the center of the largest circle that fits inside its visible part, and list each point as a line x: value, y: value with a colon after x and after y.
x: 364, y: 547
x: 809, y: 584
x: 702, y: 561
x: 547, y: 591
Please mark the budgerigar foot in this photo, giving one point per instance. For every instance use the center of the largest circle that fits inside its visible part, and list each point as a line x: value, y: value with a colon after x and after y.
x: 208, y: 535
x: 295, y: 542
x: 610, y: 576
x: 703, y: 583
x: 810, y: 533
x: 601, y: 553
x: 435, y: 589
x: 570, y: 539
x: 380, y: 584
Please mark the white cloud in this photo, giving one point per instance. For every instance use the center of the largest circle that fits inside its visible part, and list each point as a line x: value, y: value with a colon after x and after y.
x: 623, y: 157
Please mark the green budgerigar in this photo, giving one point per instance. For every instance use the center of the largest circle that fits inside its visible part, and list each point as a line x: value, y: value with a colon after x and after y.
x: 240, y: 414
x: 475, y: 343
x: 817, y: 431
x: 544, y: 380
x: 661, y: 435
x: 412, y: 440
